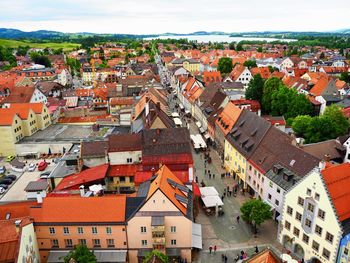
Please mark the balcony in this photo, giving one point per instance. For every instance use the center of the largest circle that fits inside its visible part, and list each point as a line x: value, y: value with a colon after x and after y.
x: 158, y: 241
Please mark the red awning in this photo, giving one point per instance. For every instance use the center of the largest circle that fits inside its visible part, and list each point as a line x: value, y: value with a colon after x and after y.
x: 195, y: 189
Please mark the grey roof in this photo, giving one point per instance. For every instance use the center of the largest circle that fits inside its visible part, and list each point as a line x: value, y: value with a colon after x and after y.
x: 93, y: 149
x: 279, y: 176
x: 344, y: 103
x: 157, y: 221
x: 36, y: 186
x: 132, y: 205
x: 143, y: 189
x: 181, y: 60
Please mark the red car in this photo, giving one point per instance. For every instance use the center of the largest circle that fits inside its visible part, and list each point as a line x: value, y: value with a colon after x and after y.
x: 42, y: 166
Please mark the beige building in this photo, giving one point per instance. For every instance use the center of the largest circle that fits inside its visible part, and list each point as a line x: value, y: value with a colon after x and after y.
x: 163, y: 221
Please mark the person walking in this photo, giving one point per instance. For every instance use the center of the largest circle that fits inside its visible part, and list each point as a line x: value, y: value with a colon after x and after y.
x: 215, y: 249
x: 210, y: 249
x: 256, y: 249
x: 209, y: 176
x: 225, y: 259
x: 222, y: 198
x: 237, y: 219
x: 213, y: 176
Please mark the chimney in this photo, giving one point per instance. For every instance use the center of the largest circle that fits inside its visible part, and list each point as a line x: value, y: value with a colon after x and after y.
x: 322, y: 165
x: 327, y: 157
x: 82, y: 190
x: 39, y: 198
x: 18, y: 225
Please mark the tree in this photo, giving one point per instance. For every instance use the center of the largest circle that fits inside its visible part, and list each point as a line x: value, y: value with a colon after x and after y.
x: 225, y: 65
x: 231, y: 46
x: 322, y: 56
x: 40, y: 59
x: 271, y: 69
x: 239, y: 47
x: 345, y: 76
x: 341, y: 124
x: 255, y: 212
x: 255, y: 88
x: 301, y: 124
x: 250, y: 64
x: 81, y: 254
x: 154, y: 255
x: 259, y: 49
x: 270, y: 85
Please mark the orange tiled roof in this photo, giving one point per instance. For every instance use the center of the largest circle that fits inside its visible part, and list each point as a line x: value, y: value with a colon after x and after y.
x: 266, y: 256
x: 76, y: 209
x: 7, y: 116
x: 237, y: 71
x: 263, y: 71
x: 15, y: 209
x: 228, y: 116
x: 337, y: 179
x: 212, y: 76
x: 320, y: 86
x: 161, y: 183
x: 36, y: 107
x: 121, y: 101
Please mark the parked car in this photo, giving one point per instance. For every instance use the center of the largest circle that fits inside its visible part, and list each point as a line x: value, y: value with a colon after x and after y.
x: 10, y: 158
x: 3, y: 188
x: 6, y: 181
x: 2, y: 169
x: 11, y: 176
x: 45, y: 175
x: 42, y: 166
x: 31, y: 167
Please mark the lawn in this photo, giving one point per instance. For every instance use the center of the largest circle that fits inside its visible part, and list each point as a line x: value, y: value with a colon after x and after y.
x: 16, y: 43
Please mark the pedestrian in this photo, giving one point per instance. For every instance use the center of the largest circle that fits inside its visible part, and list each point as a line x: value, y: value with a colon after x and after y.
x: 237, y: 257
x: 196, y: 179
x: 228, y: 188
x: 209, y: 176
x: 256, y: 249
x: 222, y: 198
x: 237, y: 219
x: 225, y: 258
x: 225, y: 194
x: 222, y: 175
x: 210, y: 249
x: 205, y: 171
x: 215, y: 248
x: 213, y: 176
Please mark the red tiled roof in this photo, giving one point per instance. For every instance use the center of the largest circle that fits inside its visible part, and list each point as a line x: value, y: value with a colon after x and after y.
x: 85, y: 177
x: 124, y: 170
x: 8, y: 251
x: 337, y: 179
x: 320, y: 86
x: 121, y: 101
x: 15, y: 209
x: 76, y: 209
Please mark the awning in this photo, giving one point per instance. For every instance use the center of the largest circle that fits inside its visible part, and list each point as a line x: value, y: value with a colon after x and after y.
x: 197, y: 236
x: 175, y: 115
x: 112, y: 256
x: 177, y: 121
x: 195, y: 189
x: 212, y: 201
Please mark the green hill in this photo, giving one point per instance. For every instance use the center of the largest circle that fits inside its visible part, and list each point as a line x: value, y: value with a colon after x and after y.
x: 16, y: 43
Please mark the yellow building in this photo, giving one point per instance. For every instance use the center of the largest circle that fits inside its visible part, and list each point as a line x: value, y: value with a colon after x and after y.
x: 121, y: 177
x: 191, y: 65
x: 19, y: 120
x: 235, y: 163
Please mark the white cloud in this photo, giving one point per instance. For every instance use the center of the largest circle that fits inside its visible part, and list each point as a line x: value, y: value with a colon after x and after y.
x: 159, y: 16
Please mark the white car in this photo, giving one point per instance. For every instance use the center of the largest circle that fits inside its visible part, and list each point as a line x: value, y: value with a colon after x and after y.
x: 32, y: 167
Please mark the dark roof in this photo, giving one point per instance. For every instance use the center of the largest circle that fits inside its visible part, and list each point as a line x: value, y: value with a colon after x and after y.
x: 143, y: 189
x: 93, y: 149
x: 124, y: 142
x: 132, y: 205
x: 346, y: 226
x: 276, y: 148
x: 226, y: 85
x: 331, y: 149
x: 154, y: 112
x: 166, y: 141
x: 248, y: 132
x: 47, y: 86
x: 283, y: 177
x: 36, y: 186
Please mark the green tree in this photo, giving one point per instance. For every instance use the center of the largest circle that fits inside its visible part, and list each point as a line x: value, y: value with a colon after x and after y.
x: 301, y: 124
x: 40, y: 59
x: 155, y: 254
x: 58, y: 51
x: 255, y: 88
x: 81, y: 254
x: 271, y: 69
x: 225, y: 65
x: 22, y: 51
x: 255, y: 212
x: 270, y: 85
x: 250, y: 64
x: 232, y: 46
x: 239, y: 47
x: 345, y: 76
x: 341, y: 124
x: 259, y: 49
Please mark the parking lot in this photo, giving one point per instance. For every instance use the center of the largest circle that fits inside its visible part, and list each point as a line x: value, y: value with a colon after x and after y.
x: 16, y: 192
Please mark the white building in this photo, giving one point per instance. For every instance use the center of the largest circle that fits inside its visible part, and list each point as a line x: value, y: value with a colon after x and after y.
x: 316, y: 215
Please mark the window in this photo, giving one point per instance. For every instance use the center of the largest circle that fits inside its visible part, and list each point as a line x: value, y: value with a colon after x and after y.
x: 143, y: 229
x: 310, y: 207
x: 315, y: 246
x: 277, y: 202
x: 296, y: 232
x: 318, y: 230
x: 82, y: 241
x: 271, y: 184
x: 287, y: 225
x: 317, y: 197
x: 54, y: 243
x: 68, y: 242
x: 298, y: 216
x: 96, y: 242
x: 52, y: 230
x: 326, y: 253
x: 289, y: 210
x: 108, y: 230
x: 278, y: 190
x: 110, y: 242
x: 329, y: 237
x: 122, y: 179
x: 80, y: 230
x: 173, y: 242
x: 306, y: 239
x: 94, y: 230
x: 173, y: 229
x: 269, y: 196
x: 308, y: 191
x: 321, y: 214
x: 300, y: 201
x: 66, y: 230
x: 144, y: 242
x: 129, y: 160
x: 308, y: 222
x: 250, y: 167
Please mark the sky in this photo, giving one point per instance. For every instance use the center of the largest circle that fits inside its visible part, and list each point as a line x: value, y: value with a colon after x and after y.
x: 176, y: 16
